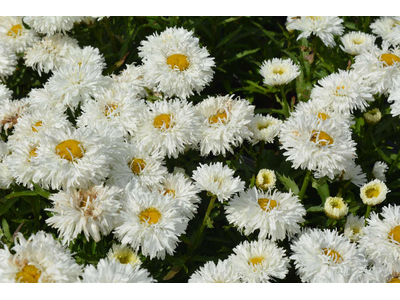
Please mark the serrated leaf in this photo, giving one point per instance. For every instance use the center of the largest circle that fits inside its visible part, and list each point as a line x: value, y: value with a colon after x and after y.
x: 288, y: 183
x: 6, y: 229
x: 318, y: 208
x: 322, y: 188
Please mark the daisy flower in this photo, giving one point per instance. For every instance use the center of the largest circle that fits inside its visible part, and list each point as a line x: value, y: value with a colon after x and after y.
x: 8, y: 61
x: 373, y: 116
x: 85, y: 56
x: 124, y: 255
x: 323, y: 27
x: 175, y: 64
x: 374, y: 192
x: 264, y: 128
x: 356, y: 42
x: 90, y: 211
x: 279, y: 71
x: 42, y: 99
x: 266, y: 179
x: 222, y: 272
x: 355, y: 174
x: 50, y: 25
x: 385, y: 27
x: 218, y: 180
x: 10, y: 112
x: 335, y: 208
x: 49, y: 53
x: 379, y: 170
x: 130, y: 80
x: 6, y: 178
x: 111, y: 271
x: 275, y: 214
x: 316, y: 252
x: 354, y: 227
x: 381, y: 273
x: 151, y: 221
x: 224, y: 123
x: 5, y: 93
x: 15, y: 35
x: 39, y: 259
x: 260, y: 261
x: 394, y: 98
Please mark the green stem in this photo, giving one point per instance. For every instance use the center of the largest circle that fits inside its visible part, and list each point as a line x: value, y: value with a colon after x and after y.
x: 367, y: 213
x: 305, y: 185
x: 109, y: 31
x: 285, y: 105
x: 394, y: 163
x: 366, y: 23
x: 262, y: 144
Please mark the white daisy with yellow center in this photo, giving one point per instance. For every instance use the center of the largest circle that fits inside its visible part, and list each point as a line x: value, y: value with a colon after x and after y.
x: 374, y: 192
x: 221, y: 272
x: 356, y: 42
x: 8, y: 61
x: 354, y: 227
x: 124, y: 254
x: 10, y: 112
x: 279, y: 71
x: 266, y: 179
x: 264, y: 128
x: 335, y: 208
x: 14, y: 34
x: 388, y: 28
x: 50, y: 25
x: 130, y: 80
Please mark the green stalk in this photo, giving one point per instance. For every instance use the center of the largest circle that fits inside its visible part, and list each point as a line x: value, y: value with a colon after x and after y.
x: 262, y: 144
x: 305, y: 185
x: 285, y: 105
x: 110, y: 33
x: 367, y: 213
x: 394, y: 163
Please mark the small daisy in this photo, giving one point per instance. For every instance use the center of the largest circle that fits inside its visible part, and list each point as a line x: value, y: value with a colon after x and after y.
x: 151, y: 221
x: 15, y: 35
x: 85, y: 56
x: 279, y: 71
x: 265, y: 179
x: 385, y: 27
x: 394, y: 98
x: 335, y: 208
x: 6, y: 179
x: 374, y: 192
x: 275, y: 214
x: 175, y: 64
x: 130, y: 80
x: 379, y: 170
x: 260, y: 261
x: 5, y: 93
x: 222, y: 272
x: 264, y: 128
x: 39, y: 259
x: 356, y: 43
x: 10, y: 112
x: 51, y: 25
x: 355, y: 174
x: 111, y: 271
x: 373, y: 116
x: 42, y: 99
x: 8, y: 61
x: 218, y: 180
x: 354, y: 227
x: 124, y: 255
x: 225, y: 123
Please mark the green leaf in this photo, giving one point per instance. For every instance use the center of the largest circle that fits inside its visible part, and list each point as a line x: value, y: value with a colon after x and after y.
x: 239, y: 56
x: 288, y: 183
x: 6, y: 229
x: 6, y: 205
x: 39, y: 190
x: 322, y: 188
x: 318, y: 208
x: 229, y: 36
x: 19, y: 194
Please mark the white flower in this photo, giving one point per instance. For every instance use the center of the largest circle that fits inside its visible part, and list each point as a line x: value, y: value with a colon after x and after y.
x: 323, y: 27
x: 335, y: 208
x: 373, y: 116
x: 37, y: 260
x: 174, y: 63
x: 8, y: 61
x: 279, y: 71
x: 218, y: 180
x: 6, y: 178
x: 85, y: 56
x: 42, y: 99
x: 49, y: 53
x: 225, y: 123
x: 151, y: 221
x: 10, y: 112
x: 90, y: 211
x: 260, y: 261
x: 374, y: 192
x: 169, y: 127
x: 124, y: 255
x: 111, y: 271
x: 356, y: 42
x: 130, y: 80
x: 385, y: 27
x: 344, y: 92
x: 316, y: 252
x: 355, y: 174
x: 354, y: 227
x: 394, y: 98
x: 5, y: 93
x: 264, y: 128
x: 275, y: 214
x: 381, y: 238
x: 15, y: 35
x: 50, y: 25
x: 379, y: 170
x: 222, y: 272
x: 266, y: 179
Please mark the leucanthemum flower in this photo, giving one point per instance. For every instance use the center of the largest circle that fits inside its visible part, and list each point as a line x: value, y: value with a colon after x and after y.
x: 168, y: 126
x: 85, y: 56
x: 6, y: 179
x: 50, y: 25
x: 394, y: 99
x: 323, y: 27
x: 222, y: 272
x: 130, y: 80
x: 10, y: 112
x: 316, y: 252
x: 344, y: 91
x: 264, y: 128
x: 374, y: 192
x: 5, y: 93
x: 112, y: 271
x: 354, y: 227
x: 174, y: 63
x: 335, y: 208
x: 373, y: 116
x: 275, y: 214
x: 15, y: 35
x: 266, y: 179
x: 39, y: 259
x: 124, y: 255
x: 42, y: 99
x: 49, y: 53
x: 260, y: 261
x: 225, y: 123
x: 92, y: 211
x: 385, y: 27
x: 356, y: 43
x: 218, y: 180
x: 379, y: 170
x: 8, y: 61
x: 151, y: 221
x: 279, y: 71
x: 355, y: 174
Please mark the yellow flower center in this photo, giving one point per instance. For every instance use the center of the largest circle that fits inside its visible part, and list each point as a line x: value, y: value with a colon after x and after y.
x: 126, y: 257
x: 372, y: 192
x: 279, y: 71
x: 32, y: 153
x: 256, y: 260
x: 357, y: 41
x: 389, y: 58
x: 394, y: 280
x: 322, y: 116
x: 333, y: 254
x: 178, y: 61
x: 137, y: 165
x: 109, y: 109
x: 70, y: 150
x: 15, y: 30
x: 395, y: 233
x: 356, y: 229
x: 220, y: 117
x: 162, y: 121
x: 169, y: 192
x: 35, y: 127
x: 321, y: 138
x: 29, y: 274
x: 267, y: 204
x: 314, y: 18
x: 150, y: 215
